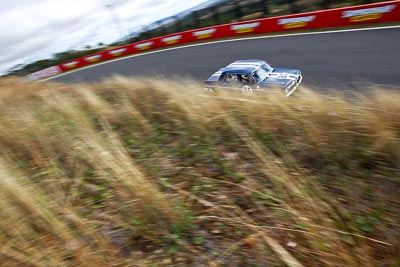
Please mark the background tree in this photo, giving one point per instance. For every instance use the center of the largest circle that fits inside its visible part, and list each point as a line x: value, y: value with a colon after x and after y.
x: 178, y: 23
x: 264, y: 7
x: 294, y: 8
x: 326, y: 3
x: 161, y: 28
x: 237, y: 9
x: 196, y: 19
x: 215, y: 15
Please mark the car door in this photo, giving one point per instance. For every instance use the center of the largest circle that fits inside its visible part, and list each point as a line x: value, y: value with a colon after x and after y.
x: 231, y: 81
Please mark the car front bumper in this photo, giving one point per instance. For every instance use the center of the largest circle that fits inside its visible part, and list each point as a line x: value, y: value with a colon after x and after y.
x: 293, y: 86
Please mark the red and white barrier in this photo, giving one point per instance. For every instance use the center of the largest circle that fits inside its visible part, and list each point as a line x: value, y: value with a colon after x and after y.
x: 51, y: 71
x: 348, y: 16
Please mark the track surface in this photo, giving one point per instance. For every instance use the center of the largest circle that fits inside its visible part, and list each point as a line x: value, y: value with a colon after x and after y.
x: 337, y: 60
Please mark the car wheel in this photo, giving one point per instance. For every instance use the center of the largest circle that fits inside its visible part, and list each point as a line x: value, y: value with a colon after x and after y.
x: 247, y: 90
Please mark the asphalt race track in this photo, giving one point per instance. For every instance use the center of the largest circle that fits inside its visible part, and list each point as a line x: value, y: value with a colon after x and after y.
x: 328, y: 60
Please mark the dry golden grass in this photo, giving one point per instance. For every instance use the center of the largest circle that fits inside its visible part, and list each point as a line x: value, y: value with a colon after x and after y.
x: 137, y: 172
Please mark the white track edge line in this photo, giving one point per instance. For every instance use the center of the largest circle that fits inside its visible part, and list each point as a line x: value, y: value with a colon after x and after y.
x: 220, y: 41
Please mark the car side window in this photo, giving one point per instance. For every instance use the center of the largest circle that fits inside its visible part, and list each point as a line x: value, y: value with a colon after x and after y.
x: 231, y: 78
x: 228, y: 78
x: 267, y: 67
x: 245, y: 78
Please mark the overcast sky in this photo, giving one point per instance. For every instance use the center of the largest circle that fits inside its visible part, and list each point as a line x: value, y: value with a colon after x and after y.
x: 36, y: 29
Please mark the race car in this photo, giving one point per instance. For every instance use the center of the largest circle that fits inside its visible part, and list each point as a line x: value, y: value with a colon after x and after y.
x: 254, y: 75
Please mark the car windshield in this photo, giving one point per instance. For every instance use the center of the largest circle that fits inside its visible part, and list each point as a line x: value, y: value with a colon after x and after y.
x: 260, y: 75
x: 267, y: 68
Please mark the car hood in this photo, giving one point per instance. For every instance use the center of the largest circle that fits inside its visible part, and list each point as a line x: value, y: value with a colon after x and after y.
x: 281, y: 77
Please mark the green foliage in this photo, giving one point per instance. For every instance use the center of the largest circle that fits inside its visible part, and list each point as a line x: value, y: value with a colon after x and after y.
x: 198, y: 240
x: 130, y: 166
x: 368, y: 222
x: 57, y: 59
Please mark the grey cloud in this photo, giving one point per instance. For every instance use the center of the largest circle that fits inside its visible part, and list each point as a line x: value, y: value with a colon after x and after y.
x: 31, y: 30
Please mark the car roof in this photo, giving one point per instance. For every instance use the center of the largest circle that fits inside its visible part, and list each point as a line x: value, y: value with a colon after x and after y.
x: 243, y: 66
x: 231, y: 70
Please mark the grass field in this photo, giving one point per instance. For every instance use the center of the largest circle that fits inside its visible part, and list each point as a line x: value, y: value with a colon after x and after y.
x: 135, y: 172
